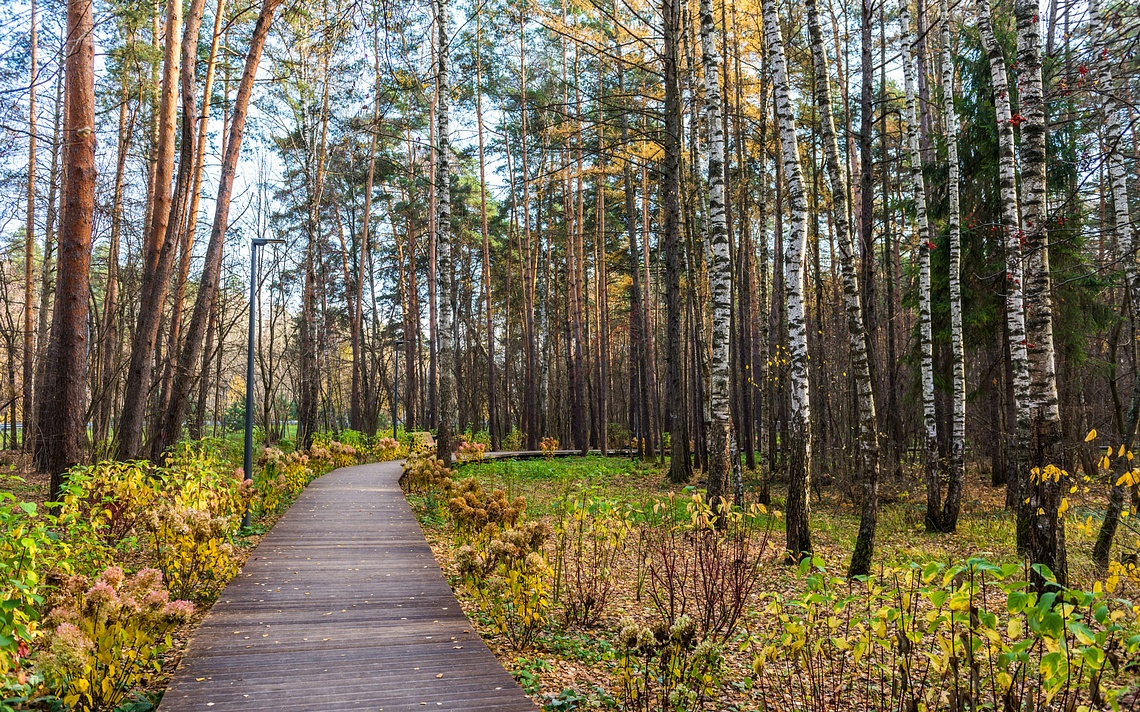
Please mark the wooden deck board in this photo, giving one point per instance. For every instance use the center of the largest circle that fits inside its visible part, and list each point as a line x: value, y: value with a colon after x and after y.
x: 342, y: 606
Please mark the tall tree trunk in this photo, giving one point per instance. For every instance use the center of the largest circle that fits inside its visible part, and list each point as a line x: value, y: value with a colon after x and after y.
x: 1040, y: 514
x: 1111, y: 107
x: 721, y: 445
x: 159, y: 252
x: 30, y: 241
x: 355, y: 407
x: 181, y: 228
x: 433, y: 246
x: 932, y: 466
x: 680, y: 467
x: 445, y: 269
x: 866, y: 186
x: 47, y: 275
x: 799, y: 450
x: 492, y: 403
x: 1014, y: 298
x: 530, y: 260
x: 191, y: 352
x: 61, y: 431
x: 109, y: 347
x: 867, y: 436
x: 309, y: 377
x: 958, y: 369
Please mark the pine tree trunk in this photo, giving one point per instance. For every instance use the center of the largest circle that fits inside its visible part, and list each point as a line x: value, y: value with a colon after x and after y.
x: 932, y: 466
x: 492, y: 404
x: 61, y: 410
x: 799, y: 445
x: 28, y: 374
x: 159, y: 253
x: 445, y: 270
x: 109, y: 345
x: 191, y: 353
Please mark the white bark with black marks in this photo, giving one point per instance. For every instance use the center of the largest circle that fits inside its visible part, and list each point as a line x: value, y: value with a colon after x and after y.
x: 925, y: 247
x: 867, y: 441
x: 721, y: 446
x: 798, y: 509
x: 949, y: 520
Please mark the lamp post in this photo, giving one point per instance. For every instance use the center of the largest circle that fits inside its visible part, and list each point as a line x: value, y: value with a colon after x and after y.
x: 256, y: 243
x: 396, y: 386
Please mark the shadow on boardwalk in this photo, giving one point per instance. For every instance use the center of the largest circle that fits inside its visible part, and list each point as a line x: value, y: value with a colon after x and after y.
x: 342, y: 606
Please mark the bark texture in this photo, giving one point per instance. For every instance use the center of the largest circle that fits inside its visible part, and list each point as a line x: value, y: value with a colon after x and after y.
x: 799, y: 449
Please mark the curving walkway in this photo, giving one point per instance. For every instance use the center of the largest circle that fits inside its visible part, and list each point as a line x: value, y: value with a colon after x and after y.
x: 341, y: 607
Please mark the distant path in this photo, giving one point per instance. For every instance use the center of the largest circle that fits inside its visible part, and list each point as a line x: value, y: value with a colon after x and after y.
x: 341, y: 607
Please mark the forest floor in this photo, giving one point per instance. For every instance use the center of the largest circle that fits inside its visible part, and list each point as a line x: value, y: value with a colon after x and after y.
x: 572, y: 666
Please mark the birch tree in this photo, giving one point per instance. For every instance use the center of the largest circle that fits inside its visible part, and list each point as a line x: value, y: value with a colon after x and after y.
x: 952, y: 505
x: 1014, y: 271
x: 721, y: 446
x: 798, y: 508
x: 1039, y: 514
x: 1110, y: 91
x: 866, y: 422
x: 931, y: 465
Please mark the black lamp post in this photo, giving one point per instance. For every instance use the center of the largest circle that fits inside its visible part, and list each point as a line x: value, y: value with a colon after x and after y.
x: 396, y: 386
x: 256, y: 243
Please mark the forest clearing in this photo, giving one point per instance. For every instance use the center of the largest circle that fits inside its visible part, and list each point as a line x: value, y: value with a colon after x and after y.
x: 739, y: 354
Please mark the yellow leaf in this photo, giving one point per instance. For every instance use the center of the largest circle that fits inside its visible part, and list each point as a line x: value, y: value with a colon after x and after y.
x: 1091, y: 436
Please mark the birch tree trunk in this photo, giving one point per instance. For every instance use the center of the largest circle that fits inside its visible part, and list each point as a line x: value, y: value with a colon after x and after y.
x: 798, y: 450
x: 953, y: 503
x: 61, y: 410
x: 925, y: 247
x: 1014, y: 296
x: 721, y: 446
x: 1111, y: 104
x: 1039, y: 516
x: 447, y: 400
x: 867, y: 436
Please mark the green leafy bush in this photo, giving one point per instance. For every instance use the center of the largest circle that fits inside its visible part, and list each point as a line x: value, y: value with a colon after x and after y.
x: 590, y: 537
x: 510, y: 577
x: 971, y: 636
x: 112, y: 497
x: 24, y: 543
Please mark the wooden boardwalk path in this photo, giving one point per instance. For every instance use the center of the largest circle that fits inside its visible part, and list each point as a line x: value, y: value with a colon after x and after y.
x: 341, y: 607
